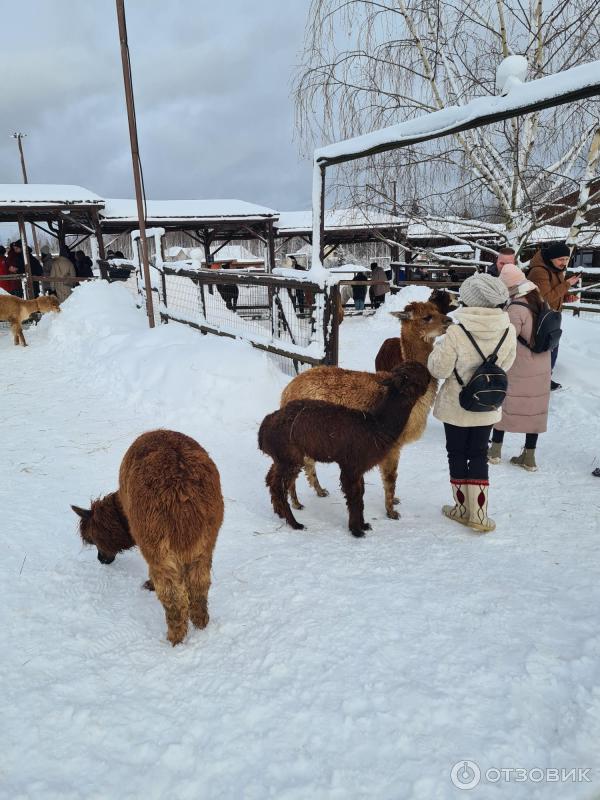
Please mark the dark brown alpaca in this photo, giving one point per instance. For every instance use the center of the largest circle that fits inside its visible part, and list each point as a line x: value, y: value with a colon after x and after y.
x: 170, y: 505
x: 356, y: 440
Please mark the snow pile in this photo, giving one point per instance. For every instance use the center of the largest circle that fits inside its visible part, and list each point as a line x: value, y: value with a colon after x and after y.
x: 332, y: 668
x: 102, y: 328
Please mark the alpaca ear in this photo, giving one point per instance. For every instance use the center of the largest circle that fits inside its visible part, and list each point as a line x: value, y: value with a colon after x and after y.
x: 401, y: 314
x: 84, y: 513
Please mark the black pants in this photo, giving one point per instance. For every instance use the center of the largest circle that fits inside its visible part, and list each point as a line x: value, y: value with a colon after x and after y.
x: 530, y: 439
x: 467, y: 451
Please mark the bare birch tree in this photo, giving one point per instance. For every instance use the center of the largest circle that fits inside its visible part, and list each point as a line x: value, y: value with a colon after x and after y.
x: 371, y: 63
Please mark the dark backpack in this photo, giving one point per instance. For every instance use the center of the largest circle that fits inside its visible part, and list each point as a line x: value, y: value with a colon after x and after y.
x: 486, y: 388
x: 547, y: 333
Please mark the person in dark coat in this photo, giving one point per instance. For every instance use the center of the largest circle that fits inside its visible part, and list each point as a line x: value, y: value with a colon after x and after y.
x: 359, y: 293
x: 36, y: 271
x: 83, y: 265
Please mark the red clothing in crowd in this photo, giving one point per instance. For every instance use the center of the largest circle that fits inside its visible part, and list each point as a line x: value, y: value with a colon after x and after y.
x: 8, y: 286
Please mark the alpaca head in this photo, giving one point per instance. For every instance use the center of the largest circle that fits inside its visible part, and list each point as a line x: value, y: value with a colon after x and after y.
x: 445, y: 301
x: 48, y: 302
x: 410, y: 379
x: 423, y: 321
x: 104, y: 526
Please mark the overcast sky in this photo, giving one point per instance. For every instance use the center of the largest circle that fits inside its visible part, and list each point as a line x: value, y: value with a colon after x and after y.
x: 212, y: 86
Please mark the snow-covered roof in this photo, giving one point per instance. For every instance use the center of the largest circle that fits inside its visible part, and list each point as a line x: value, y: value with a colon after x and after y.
x: 342, y: 218
x: 452, y: 226
x: 349, y: 268
x: 206, y: 210
x: 231, y: 252
x: 548, y: 233
x: 455, y: 248
x: 563, y: 87
x: 46, y: 194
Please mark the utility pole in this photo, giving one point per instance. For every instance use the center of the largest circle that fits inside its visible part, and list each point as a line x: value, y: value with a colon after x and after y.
x: 19, y: 137
x: 135, y: 156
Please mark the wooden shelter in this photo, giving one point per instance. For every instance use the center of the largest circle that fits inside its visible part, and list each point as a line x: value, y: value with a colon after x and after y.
x: 61, y: 209
x: 213, y: 224
x: 343, y: 226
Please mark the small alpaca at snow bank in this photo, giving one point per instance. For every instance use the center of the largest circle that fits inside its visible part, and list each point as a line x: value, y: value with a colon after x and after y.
x: 169, y: 503
x: 356, y: 440
x: 16, y: 311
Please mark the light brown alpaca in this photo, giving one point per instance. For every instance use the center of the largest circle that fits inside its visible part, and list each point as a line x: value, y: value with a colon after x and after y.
x: 16, y: 311
x: 170, y: 505
x: 362, y: 391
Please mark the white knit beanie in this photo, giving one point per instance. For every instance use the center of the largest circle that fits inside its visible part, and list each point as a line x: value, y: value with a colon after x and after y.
x: 484, y: 291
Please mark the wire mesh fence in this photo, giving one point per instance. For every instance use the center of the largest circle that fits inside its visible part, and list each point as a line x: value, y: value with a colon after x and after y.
x: 292, y: 320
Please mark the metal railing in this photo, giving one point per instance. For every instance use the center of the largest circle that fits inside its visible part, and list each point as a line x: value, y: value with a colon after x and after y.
x: 293, y: 320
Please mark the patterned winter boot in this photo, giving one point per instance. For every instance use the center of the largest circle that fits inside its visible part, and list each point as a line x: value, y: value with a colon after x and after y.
x: 495, y: 453
x: 459, y: 512
x: 525, y: 460
x: 477, y: 497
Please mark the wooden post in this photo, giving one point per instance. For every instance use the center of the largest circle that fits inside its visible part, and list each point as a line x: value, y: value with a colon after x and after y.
x: 270, y: 246
x: 135, y: 156
x: 23, y: 235
x: 19, y: 138
x: 322, y: 218
x: 98, y: 232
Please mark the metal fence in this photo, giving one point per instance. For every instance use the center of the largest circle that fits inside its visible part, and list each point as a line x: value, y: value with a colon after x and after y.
x: 293, y: 320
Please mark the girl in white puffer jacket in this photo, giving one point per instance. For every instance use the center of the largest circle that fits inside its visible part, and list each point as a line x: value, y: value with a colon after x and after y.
x: 467, y: 432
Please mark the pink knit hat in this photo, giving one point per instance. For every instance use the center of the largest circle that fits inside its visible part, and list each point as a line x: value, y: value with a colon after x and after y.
x: 511, y: 275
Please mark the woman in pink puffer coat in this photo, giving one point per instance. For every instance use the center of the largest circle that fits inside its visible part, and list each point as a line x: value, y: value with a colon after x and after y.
x: 525, y: 409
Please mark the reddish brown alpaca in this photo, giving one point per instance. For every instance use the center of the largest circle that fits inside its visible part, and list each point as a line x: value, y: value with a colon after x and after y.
x: 422, y: 323
x: 170, y: 505
x: 356, y: 440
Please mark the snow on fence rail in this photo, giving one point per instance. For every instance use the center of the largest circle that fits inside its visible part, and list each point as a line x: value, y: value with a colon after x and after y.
x: 289, y: 318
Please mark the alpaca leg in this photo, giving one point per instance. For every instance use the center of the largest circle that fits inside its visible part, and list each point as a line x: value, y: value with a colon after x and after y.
x: 172, y: 593
x: 279, y: 479
x: 294, y: 497
x: 353, y: 488
x: 197, y: 579
x: 389, y: 473
x: 17, y: 332
x: 311, y: 476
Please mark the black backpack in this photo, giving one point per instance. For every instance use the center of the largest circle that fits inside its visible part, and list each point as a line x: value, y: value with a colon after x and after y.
x: 547, y: 331
x: 486, y: 388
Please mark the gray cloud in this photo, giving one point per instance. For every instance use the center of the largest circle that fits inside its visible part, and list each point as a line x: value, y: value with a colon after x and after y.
x: 212, y: 83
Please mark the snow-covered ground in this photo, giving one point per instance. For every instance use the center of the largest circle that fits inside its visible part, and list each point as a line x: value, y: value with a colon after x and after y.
x: 332, y: 667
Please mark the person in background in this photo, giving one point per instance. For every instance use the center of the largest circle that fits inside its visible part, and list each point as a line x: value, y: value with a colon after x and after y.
x: 83, y: 265
x: 505, y: 256
x: 46, y: 259
x: 547, y: 270
x: 15, y: 264
x: 36, y: 271
x: 62, y: 267
x: 467, y: 432
x: 525, y: 409
x: 378, y: 292
x: 359, y: 293
x: 298, y: 298
x: 6, y: 285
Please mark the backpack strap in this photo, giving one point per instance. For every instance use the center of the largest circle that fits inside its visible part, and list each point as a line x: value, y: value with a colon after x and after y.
x: 491, y: 358
x: 520, y: 338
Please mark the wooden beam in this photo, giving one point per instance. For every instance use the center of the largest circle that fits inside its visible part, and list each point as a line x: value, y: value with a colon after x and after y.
x: 23, y: 235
